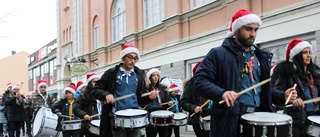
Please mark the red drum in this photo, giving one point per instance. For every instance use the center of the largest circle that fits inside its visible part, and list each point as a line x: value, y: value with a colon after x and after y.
x: 161, y: 118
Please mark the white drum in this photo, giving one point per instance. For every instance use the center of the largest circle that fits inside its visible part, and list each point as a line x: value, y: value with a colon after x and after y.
x: 44, y: 123
x: 95, y: 126
x: 266, y: 124
x: 180, y: 119
x: 161, y: 118
x: 205, y: 123
x: 314, y: 128
x: 71, y: 125
x: 131, y: 118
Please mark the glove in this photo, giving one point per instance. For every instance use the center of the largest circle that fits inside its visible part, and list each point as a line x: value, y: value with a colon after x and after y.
x: 59, y: 113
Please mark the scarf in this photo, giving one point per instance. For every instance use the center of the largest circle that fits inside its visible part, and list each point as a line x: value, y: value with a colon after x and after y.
x: 44, y: 97
x: 70, y: 108
x: 126, y: 74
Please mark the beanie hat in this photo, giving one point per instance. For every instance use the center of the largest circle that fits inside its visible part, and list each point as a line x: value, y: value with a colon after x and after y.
x: 152, y: 70
x: 295, y: 47
x: 195, y: 67
x: 80, y: 84
x: 70, y: 88
x: 42, y: 83
x: 173, y: 87
x: 126, y: 49
x: 9, y: 85
x: 15, y: 87
x: 241, y: 18
x: 91, y: 76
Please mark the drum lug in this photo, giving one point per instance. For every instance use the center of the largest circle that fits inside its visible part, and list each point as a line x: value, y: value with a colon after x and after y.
x: 264, y: 131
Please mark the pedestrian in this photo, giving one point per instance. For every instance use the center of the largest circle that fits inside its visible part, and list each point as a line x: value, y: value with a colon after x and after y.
x: 232, y: 67
x: 174, y: 90
x: 3, y: 120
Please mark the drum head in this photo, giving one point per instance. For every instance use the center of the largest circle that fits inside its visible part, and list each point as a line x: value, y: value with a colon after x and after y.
x: 206, y: 118
x: 267, y: 117
x: 179, y: 116
x: 130, y: 112
x: 315, y: 119
x: 161, y: 113
x: 38, y: 121
x: 96, y: 123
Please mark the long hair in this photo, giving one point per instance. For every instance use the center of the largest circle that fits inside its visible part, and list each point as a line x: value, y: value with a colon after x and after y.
x: 154, y: 85
x: 87, y: 95
x: 311, y: 69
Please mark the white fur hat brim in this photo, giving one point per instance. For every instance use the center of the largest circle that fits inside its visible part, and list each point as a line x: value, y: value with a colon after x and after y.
x: 81, y: 86
x: 69, y: 89
x: 128, y: 51
x: 91, y: 78
x: 173, y: 89
x: 149, y: 73
x: 298, y: 48
x: 42, y: 84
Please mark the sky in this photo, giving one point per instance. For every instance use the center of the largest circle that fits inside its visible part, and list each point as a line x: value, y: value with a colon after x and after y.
x: 26, y: 25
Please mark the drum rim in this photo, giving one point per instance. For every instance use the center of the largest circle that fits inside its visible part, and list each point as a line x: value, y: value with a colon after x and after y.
x: 260, y: 123
x: 312, y: 120
x: 42, y: 121
x: 144, y: 112
x: 94, y: 124
x: 186, y: 116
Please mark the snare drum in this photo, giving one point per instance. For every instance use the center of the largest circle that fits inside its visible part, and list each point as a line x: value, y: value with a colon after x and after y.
x: 266, y: 124
x: 179, y: 119
x: 44, y: 123
x: 131, y: 118
x: 205, y: 123
x: 94, y: 127
x: 70, y: 125
x: 314, y: 128
x: 161, y: 118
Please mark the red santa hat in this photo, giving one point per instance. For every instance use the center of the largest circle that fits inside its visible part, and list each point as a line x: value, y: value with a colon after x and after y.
x: 42, y: 83
x: 15, y: 87
x: 80, y: 84
x: 152, y: 70
x: 91, y: 76
x: 126, y: 49
x: 70, y: 88
x: 241, y: 18
x: 295, y: 47
x: 195, y: 67
x: 173, y: 87
x: 8, y: 85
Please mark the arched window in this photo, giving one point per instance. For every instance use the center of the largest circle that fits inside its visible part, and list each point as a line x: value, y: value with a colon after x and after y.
x: 118, y: 20
x: 153, y: 12
x: 198, y: 3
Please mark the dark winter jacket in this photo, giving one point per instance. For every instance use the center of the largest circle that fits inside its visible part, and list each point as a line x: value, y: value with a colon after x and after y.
x: 220, y: 71
x: 164, y: 95
x: 15, y: 108
x: 60, y: 106
x: 284, y: 77
x: 106, y: 85
x: 190, y: 99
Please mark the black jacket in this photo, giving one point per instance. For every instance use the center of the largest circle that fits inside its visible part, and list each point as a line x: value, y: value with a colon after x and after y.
x: 83, y: 106
x: 106, y: 85
x: 60, y: 107
x: 15, y: 111
x: 190, y: 100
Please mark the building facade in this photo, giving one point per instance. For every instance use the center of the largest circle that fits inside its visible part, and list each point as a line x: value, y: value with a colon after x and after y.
x: 172, y: 35
x: 14, y: 70
x: 41, y: 65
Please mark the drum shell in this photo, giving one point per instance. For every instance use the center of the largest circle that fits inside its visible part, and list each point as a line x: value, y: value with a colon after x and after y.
x: 180, y: 119
x: 158, y: 119
x: 95, y: 127
x: 313, y: 128
x: 205, y: 123
x: 132, y: 120
x: 44, y: 123
x: 70, y: 125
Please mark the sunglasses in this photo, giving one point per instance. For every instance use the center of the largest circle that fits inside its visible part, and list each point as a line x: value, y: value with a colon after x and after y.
x: 43, y: 87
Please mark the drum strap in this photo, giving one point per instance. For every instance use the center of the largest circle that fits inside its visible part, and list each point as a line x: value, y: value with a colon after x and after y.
x: 44, y: 97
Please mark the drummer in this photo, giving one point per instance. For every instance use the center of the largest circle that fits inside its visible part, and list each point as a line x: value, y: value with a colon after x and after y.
x: 87, y: 105
x: 162, y: 97
x: 64, y: 110
x: 306, y: 76
x: 121, y: 80
x: 175, y: 97
x: 233, y: 67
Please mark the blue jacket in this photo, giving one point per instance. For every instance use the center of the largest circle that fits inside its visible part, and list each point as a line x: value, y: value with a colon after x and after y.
x: 3, y: 119
x: 221, y: 71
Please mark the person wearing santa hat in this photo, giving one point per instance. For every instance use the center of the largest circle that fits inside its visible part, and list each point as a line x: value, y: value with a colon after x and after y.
x: 299, y: 69
x: 7, y: 91
x: 237, y: 65
x: 87, y: 105
x: 81, y: 87
x: 191, y: 102
x: 153, y: 74
x: 175, y: 97
x: 123, y: 79
x: 64, y: 109
x: 40, y: 98
x: 15, y: 102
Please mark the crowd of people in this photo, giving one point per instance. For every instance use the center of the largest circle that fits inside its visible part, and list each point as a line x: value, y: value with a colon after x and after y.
x: 226, y: 70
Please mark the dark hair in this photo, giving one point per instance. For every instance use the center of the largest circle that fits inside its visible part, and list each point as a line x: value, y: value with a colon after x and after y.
x: 72, y: 84
x: 87, y: 95
x: 311, y: 69
x: 154, y: 85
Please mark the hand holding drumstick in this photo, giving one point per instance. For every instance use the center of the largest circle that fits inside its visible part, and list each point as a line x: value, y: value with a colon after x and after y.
x: 290, y: 94
x: 204, y: 104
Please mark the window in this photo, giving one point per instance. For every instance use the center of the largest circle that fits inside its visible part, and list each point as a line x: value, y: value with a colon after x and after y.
x: 118, y: 20
x: 153, y: 12
x: 51, y: 67
x: 198, y: 3
x: 95, y: 37
x: 30, y: 74
x: 42, y: 70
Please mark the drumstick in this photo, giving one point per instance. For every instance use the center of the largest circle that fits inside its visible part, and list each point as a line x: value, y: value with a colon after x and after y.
x: 147, y: 94
x: 307, y: 101
x: 205, y: 103
x: 123, y: 97
x: 79, y: 120
x: 165, y: 103
x: 171, y: 106
x: 95, y: 115
x: 249, y: 89
x: 288, y: 99
x: 64, y: 116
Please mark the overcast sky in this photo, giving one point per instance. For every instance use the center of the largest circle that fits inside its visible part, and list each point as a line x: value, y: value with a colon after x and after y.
x: 26, y: 25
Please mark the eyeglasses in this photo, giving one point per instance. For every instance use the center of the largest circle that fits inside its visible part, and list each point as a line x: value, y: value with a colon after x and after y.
x: 133, y: 58
x: 43, y: 87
